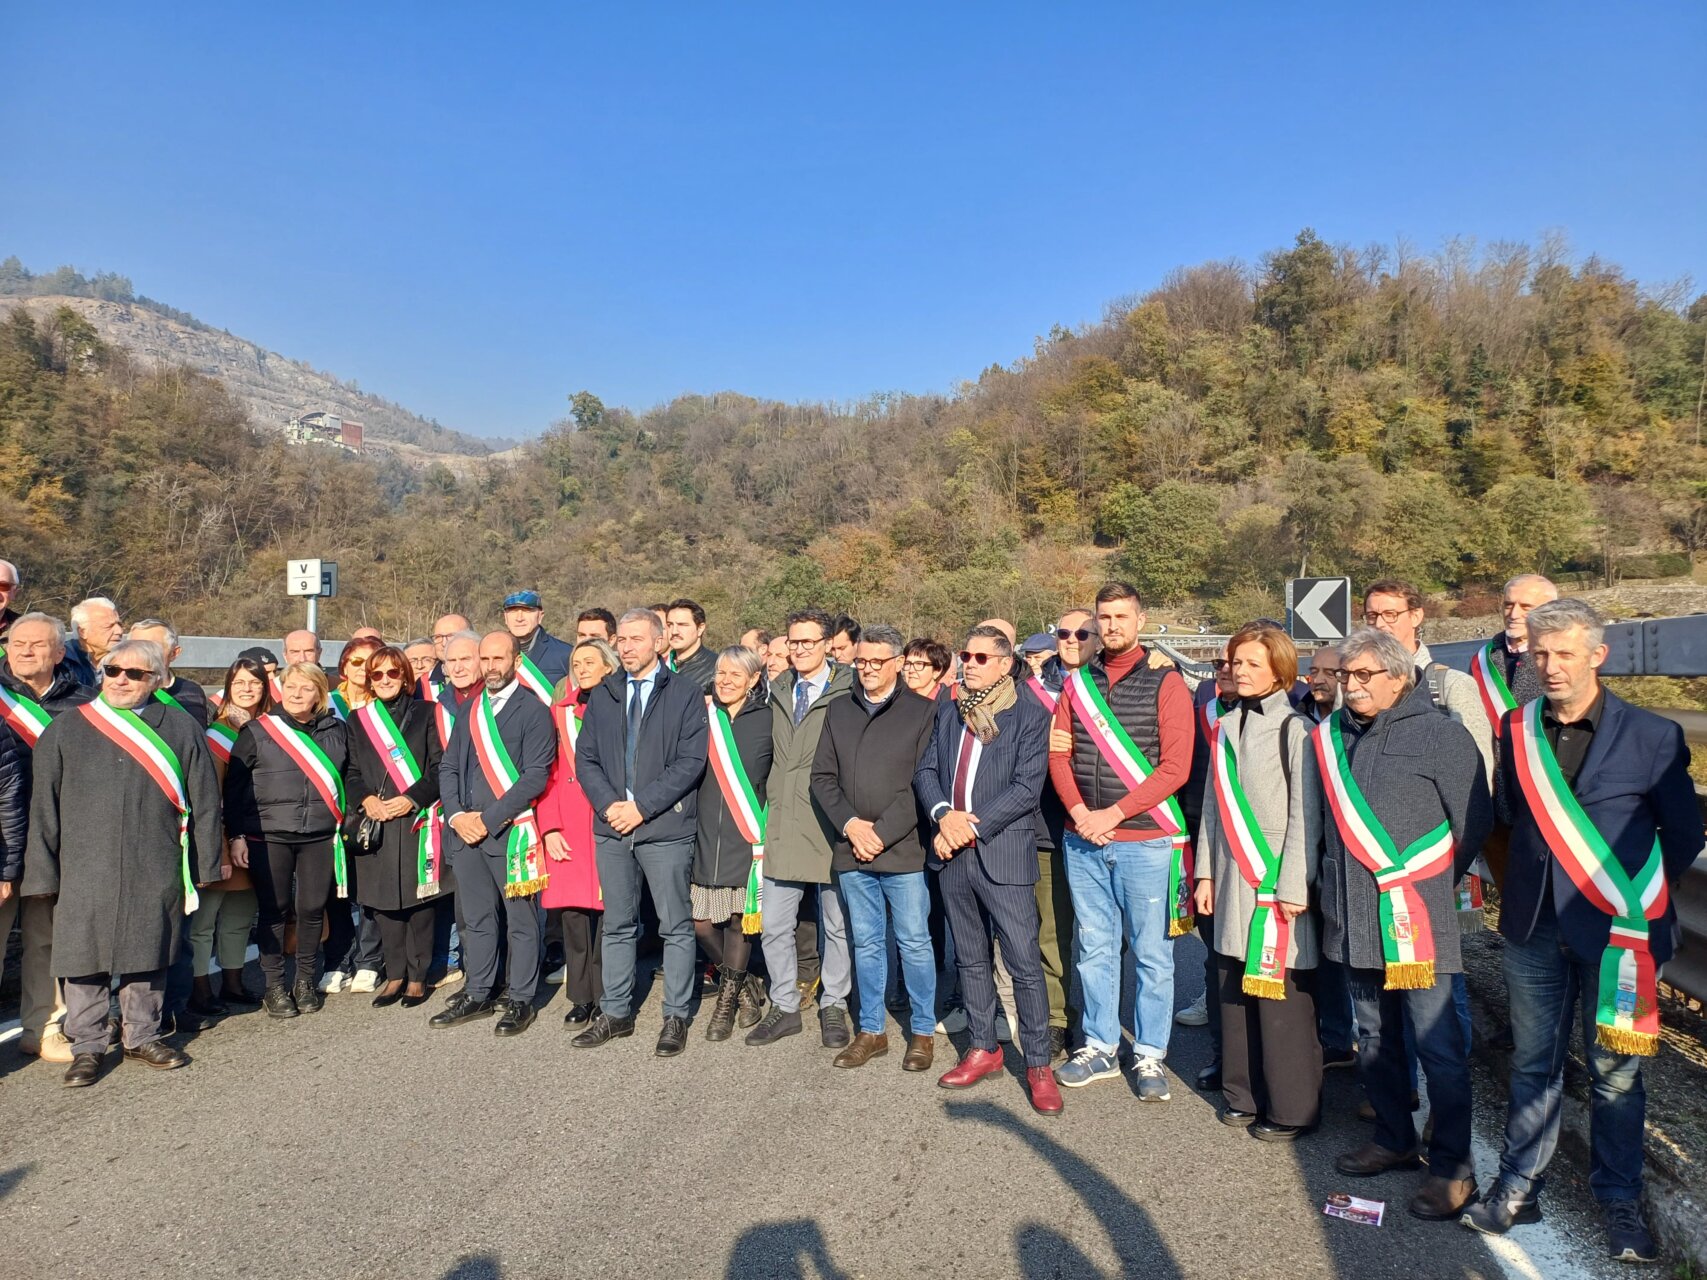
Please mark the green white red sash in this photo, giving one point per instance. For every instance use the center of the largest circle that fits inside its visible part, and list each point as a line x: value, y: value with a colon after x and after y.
x: 25, y: 715
x: 568, y: 717
x: 443, y: 722
x: 339, y: 704
x: 1115, y: 746
x: 1627, y: 1014
x: 1407, y: 934
x: 430, y: 688
x: 221, y: 737
x: 160, y: 695
x: 405, y: 771
x: 1210, y: 715
x: 523, y: 874
x: 305, y: 753
x: 744, y: 807
x: 533, y: 679
x: 138, y: 740
x: 1270, y: 930
x: 1497, y: 697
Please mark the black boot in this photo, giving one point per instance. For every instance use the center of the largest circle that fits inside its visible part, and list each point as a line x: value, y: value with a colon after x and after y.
x: 729, y: 991
x: 752, y: 1002
x: 307, y: 996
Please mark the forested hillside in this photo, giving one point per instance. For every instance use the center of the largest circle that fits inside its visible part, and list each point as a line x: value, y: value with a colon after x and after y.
x: 1452, y: 418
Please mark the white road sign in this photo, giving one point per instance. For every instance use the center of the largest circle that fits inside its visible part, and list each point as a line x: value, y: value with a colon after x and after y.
x: 302, y: 577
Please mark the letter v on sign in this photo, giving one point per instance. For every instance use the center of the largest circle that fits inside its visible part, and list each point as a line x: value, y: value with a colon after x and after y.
x: 1319, y: 609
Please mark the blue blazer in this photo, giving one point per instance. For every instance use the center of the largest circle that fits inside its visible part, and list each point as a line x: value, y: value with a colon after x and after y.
x: 669, y: 757
x: 551, y: 655
x: 1005, y: 792
x: 1634, y: 784
x: 529, y: 736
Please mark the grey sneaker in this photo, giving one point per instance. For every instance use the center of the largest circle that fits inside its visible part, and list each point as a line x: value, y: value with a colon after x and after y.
x: 1086, y: 1065
x: 1152, y: 1080
x: 833, y: 1027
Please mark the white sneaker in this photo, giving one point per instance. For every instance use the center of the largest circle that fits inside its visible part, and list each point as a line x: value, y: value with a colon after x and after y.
x: 1004, y: 1032
x: 557, y: 976
x: 334, y: 980
x: 365, y: 980
x: 451, y: 978
x: 1195, y: 1014
x: 952, y: 1021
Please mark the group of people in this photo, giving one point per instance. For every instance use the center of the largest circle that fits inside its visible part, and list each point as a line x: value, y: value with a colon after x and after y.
x: 971, y: 840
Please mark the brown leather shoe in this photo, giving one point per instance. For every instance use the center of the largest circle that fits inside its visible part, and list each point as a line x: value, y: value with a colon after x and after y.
x: 920, y: 1051
x: 866, y: 1046
x: 1441, y: 1199
x: 1371, y: 1159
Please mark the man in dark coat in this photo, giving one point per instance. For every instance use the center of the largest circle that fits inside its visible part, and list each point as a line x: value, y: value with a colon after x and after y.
x: 979, y: 783
x: 684, y: 629
x: 105, y: 837
x: 523, y: 613
x: 479, y: 818
x: 182, y: 692
x: 640, y: 757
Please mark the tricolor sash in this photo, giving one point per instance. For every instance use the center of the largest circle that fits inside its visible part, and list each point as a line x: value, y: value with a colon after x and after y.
x: 405, y: 771
x: 1627, y: 1014
x: 523, y: 874
x: 25, y: 715
x: 1115, y: 745
x: 533, y: 679
x: 160, y: 695
x: 568, y: 725
x: 1497, y: 697
x: 1210, y: 714
x: 138, y: 740
x: 221, y: 737
x: 305, y: 753
x: 339, y: 704
x: 430, y: 688
x: 1042, y: 692
x: 443, y: 722
x: 744, y: 807
x: 1270, y: 931
x: 1407, y: 936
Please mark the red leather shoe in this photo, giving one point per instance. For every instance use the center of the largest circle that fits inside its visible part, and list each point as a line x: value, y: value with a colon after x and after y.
x: 1045, y: 1094
x: 977, y: 1064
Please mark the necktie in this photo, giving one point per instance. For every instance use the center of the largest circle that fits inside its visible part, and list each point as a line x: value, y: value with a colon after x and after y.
x: 962, y: 767
x: 633, y: 730
x: 801, y: 702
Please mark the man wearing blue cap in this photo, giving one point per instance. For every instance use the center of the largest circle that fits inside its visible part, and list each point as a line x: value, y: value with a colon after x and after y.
x: 535, y: 646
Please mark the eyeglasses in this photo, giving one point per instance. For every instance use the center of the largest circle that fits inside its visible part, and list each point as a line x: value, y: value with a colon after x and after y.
x: 1220, y: 664
x: 1081, y: 634
x: 356, y: 662
x: 805, y: 644
x: 967, y: 656
x: 916, y: 664
x: 1389, y: 616
x: 1351, y: 675
x: 873, y: 664
x: 390, y: 673
x: 130, y: 673
x: 442, y: 635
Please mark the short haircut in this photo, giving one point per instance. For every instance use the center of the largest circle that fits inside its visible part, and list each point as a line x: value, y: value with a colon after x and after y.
x: 843, y: 625
x: 817, y: 617
x: 763, y: 636
x: 468, y: 634
x: 1004, y: 646
x: 152, y: 624
x: 659, y: 609
x: 152, y: 655
x: 315, y: 675
x: 416, y: 644
x: 884, y: 634
x: 7, y: 567
x: 1282, y: 653
x: 1394, y: 587
x: 53, y: 623
x: 1109, y: 592
x: 1522, y: 578
x: 742, y: 657
x: 607, y: 655
x: 932, y: 651
x: 1398, y: 661
x: 599, y: 615
x: 396, y: 654
x: 692, y: 606
x: 1090, y: 616
x: 648, y: 616
x: 367, y: 644
x: 1563, y: 614
x: 80, y: 611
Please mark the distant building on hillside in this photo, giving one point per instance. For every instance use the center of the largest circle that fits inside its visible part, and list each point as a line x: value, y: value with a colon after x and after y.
x: 320, y: 427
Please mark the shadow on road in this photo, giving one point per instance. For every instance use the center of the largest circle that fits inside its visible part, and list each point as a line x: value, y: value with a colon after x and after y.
x: 10, y: 1178
x: 476, y: 1266
x: 783, y: 1251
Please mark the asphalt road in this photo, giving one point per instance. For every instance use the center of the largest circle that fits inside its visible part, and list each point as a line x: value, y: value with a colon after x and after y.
x: 357, y: 1142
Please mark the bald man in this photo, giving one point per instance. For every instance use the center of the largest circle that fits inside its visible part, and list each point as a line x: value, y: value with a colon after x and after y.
x: 301, y: 646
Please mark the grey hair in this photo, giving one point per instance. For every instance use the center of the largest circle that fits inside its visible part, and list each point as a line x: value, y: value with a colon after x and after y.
x: 1398, y: 661
x: 80, y: 611
x: 607, y: 654
x: 1531, y: 577
x: 150, y: 624
x: 884, y: 634
x: 643, y: 615
x: 412, y: 643
x: 53, y: 623
x: 1562, y: 615
x: 744, y: 658
x: 152, y: 655
x: 468, y: 633
x: 17, y: 578
x: 1090, y: 619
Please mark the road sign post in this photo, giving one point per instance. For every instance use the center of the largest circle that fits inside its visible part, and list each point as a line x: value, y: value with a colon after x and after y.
x: 314, y: 580
x: 1318, y: 610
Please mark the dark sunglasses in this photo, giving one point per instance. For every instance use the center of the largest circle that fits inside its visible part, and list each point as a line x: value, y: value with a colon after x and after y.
x: 1081, y: 635
x: 1220, y: 664
x: 387, y: 673
x: 966, y: 655
x: 134, y: 673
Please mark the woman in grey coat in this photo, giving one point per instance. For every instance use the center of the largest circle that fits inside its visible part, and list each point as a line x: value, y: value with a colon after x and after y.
x: 1257, y: 854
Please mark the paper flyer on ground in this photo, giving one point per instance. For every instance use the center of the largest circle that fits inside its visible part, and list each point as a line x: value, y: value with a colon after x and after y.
x: 1355, y: 1209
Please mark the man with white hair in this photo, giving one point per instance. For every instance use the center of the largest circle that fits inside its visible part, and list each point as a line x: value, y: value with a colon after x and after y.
x: 124, y: 824
x: 178, y: 691
x: 1503, y: 670
x: 96, y: 628
x: 9, y: 583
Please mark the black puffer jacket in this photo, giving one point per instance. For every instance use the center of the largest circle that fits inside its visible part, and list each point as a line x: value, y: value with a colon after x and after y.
x: 269, y: 796
x: 65, y: 691
x: 14, y: 803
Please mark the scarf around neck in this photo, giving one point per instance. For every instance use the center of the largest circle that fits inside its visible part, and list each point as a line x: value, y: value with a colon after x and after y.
x: 979, y: 709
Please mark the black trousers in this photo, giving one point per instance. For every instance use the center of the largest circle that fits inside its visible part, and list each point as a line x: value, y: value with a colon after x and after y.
x: 584, y: 970
x: 500, y: 935
x: 406, y: 938
x: 1271, y: 1058
x: 273, y: 864
x: 1211, y: 981
x: 977, y: 907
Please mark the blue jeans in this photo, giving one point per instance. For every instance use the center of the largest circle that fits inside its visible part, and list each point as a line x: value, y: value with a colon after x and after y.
x: 1335, y: 1025
x: 447, y: 946
x: 872, y: 899
x: 1122, y: 888
x: 1550, y: 988
x: 1461, y: 1004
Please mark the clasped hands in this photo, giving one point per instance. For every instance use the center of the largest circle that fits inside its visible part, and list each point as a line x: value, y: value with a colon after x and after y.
x: 954, y: 831
x: 625, y: 817
x: 385, y: 810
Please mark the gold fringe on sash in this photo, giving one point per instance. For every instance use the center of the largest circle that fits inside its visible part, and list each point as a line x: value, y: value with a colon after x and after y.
x: 1471, y: 920
x: 525, y: 888
x: 1179, y: 928
x: 1620, y: 1040
x: 753, y: 922
x: 1410, y: 975
x: 1264, y: 988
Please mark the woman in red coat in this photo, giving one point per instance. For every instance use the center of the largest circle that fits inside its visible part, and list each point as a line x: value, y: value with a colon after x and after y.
x: 571, y: 893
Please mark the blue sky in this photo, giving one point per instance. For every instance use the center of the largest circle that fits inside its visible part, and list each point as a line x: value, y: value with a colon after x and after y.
x: 477, y: 210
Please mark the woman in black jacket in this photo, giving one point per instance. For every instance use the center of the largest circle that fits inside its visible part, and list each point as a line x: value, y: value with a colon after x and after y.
x: 723, y: 856
x: 398, y: 791
x: 283, y: 806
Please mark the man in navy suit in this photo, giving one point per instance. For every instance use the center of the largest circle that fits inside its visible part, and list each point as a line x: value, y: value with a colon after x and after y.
x: 478, y: 821
x: 979, y: 782
x: 1628, y: 769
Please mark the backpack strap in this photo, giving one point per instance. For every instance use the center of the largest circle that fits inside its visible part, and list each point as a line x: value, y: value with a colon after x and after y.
x: 1435, y: 673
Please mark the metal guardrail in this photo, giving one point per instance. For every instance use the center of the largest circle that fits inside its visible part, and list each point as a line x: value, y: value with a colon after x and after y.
x: 216, y: 653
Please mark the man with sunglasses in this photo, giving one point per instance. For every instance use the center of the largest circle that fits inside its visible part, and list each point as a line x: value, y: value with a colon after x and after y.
x: 9, y: 583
